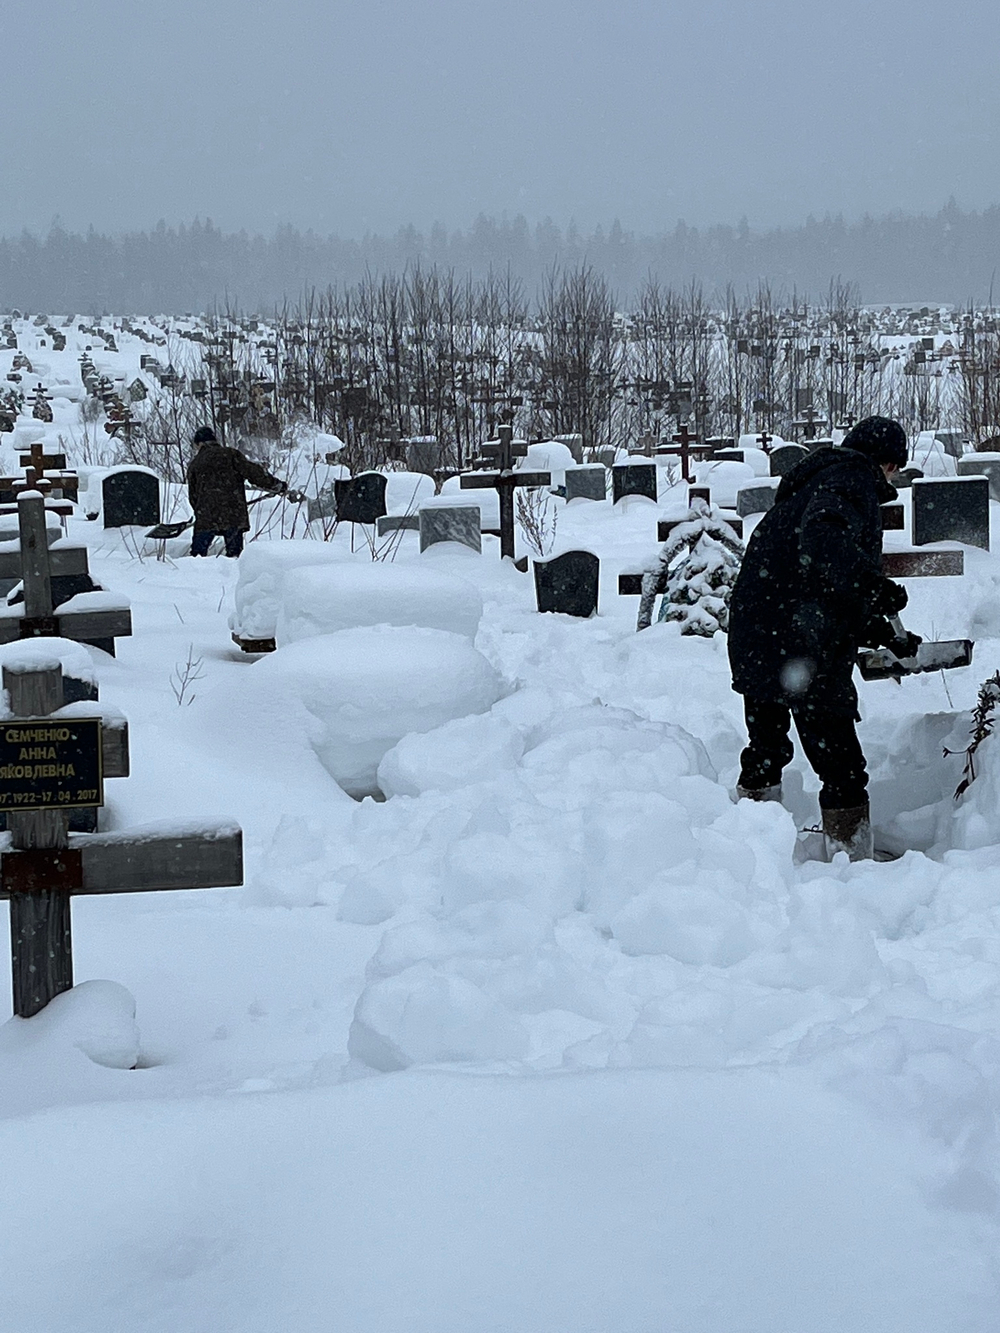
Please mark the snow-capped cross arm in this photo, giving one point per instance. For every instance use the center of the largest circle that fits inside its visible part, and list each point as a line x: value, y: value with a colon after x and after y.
x: 53, y: 761
x: 37, y: 566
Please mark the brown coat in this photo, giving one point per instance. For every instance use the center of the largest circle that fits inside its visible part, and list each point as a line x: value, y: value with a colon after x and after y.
x: 216, y: 478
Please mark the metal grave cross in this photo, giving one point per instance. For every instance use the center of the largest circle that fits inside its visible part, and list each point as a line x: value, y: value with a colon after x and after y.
x: 764, y: 440
x: 686, y: 443
x: 505, y: 482
x: 53, y: 760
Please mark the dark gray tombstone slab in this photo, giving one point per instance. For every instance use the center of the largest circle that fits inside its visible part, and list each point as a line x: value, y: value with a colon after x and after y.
x: 130, y: 498
x: 568, y: 584
x: 360, y: 499
x: 951, y: 509
x: 586, y: 483
x: 982, y: 465
x: 729, y: 456
x: 606, y: 457
x: 398, y: 523
x: 634, y: 479
x: 755, y: 498
x: 893, y: 516
x: 459, y: 523
x: 424, y: 456
x: 785, y: 457
x: 323, y: 506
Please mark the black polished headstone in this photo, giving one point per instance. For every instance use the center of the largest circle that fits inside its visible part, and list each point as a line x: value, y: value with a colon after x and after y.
x: 982, y: 465
x: 951, y: 509
x: 360, y: 499
x: 130, y: 498
x: 633, y: 479
x: 568, y: 584
x: 756, y: 497
x: 785, y: 457
x: 586, y: 483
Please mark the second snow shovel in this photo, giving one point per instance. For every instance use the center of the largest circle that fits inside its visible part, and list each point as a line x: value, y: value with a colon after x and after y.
x: 882, y: 663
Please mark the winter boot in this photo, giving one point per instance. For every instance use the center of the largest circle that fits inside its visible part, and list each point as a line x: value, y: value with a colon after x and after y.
x: 759, y: 793
x: 849, y: 831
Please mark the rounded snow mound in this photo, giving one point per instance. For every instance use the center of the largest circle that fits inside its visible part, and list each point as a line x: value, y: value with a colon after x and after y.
x: 263, y: 570
x: 724, y: 480
x: 324, y: 600
x: 366, y: 688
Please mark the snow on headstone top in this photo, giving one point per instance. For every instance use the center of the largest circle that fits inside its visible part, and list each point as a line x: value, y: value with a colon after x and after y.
x: 40, y: 654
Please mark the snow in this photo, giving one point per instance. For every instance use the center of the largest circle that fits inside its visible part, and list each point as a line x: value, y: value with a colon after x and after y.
x: 37, y: 654
x: 555, y: 1036
x: 324, y: 599
x: 362, y: 689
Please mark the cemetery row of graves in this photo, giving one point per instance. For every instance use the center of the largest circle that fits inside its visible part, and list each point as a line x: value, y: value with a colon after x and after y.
x: 423, y: 358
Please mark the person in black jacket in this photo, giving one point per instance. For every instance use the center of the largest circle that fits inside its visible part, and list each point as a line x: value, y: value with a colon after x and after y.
x: 810, y: 592
x: 216, y: 478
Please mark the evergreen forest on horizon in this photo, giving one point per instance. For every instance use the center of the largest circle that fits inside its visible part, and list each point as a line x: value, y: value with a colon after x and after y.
x: 948, y: 257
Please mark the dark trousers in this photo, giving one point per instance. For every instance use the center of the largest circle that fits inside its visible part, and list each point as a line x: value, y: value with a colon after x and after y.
x: 201, y: 541
x: 830, y: 743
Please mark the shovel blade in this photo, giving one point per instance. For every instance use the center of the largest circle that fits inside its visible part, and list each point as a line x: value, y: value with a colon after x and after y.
x: 880, y: 664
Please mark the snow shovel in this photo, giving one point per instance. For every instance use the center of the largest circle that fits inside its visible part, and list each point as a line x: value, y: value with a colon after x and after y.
x: 881, y: 663
x: 163, y: 531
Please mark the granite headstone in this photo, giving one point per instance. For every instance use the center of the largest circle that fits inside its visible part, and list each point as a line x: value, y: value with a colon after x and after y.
x: 458, y: 523
x: 586, y: 483
x: 360, y: 499
x: 982, y: 465
x: 785, y: 457
x: 634, y: 479
x: 568, y: 584
x: 757, y: 498
x: 951, y: 509
x: 129, y: 497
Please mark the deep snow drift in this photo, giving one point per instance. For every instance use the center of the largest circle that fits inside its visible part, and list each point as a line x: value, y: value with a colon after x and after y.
x: 681, y: 1080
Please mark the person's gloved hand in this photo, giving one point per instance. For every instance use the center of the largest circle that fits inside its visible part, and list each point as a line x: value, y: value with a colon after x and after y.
x: 890, y: 599
x: 905, y: 646
x: 878, y: 633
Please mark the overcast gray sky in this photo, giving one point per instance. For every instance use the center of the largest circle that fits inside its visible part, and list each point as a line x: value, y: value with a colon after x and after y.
x: 356, y: 115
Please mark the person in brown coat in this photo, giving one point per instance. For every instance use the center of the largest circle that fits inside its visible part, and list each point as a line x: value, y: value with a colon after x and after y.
x: 216, y: 480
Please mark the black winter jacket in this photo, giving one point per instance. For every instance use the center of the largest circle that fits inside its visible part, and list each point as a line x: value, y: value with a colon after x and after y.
x: 811, y: 583
x: 215, y: 479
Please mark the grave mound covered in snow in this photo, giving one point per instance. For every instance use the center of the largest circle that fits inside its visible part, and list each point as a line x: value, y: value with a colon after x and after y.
x: 323, y: 600
x: 366, y: 688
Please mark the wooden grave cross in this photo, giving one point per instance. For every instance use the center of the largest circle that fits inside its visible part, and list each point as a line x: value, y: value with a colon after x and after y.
x: 764, y: 440
x: 41, y: 461
x: 51, y: 761
x: 505, y: 482
x: 36, y: 567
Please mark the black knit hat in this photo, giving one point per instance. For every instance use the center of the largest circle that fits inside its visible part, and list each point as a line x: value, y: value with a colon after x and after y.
x: 204, y: 435
x: 882, y: 440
